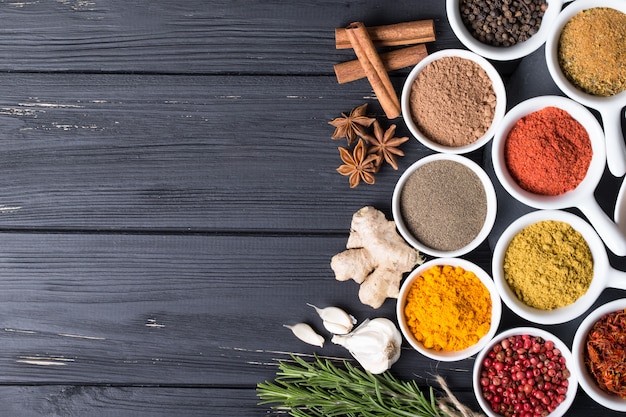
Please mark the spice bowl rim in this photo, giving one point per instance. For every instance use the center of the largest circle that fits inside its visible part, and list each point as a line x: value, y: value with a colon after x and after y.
x: 502, y: 53
x: 534, y: 331
x: 496, y: 310
x: 552, y: 60
x: 594, y: 172
x: 498, y: 88
x: 490, y: 195
x: 603, y: 274
x: 610, y: 107
x: 586, y: 381
x: 583, y: 195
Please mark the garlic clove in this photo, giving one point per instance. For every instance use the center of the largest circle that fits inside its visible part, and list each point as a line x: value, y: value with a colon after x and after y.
x: 375, y: 344
x: 306, y: 333
x: 335, y: 320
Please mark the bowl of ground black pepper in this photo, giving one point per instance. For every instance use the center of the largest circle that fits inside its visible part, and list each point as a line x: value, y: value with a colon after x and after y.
x: 586, y: 57
x: 549, y: 153
x: 550, y: 266
x: 599, y: 348
x: 502, y: 30
x: 448, y: 309
x: 452, y: 101
x: 444, y: 205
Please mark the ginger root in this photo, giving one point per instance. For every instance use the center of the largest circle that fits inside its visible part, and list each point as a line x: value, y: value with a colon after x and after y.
x: 376, y: 257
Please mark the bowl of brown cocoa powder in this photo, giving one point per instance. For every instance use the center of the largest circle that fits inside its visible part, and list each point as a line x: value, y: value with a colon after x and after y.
x: 453, y: 100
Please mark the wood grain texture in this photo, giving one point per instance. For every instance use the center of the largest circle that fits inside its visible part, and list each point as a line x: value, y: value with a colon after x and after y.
x: 98, y: 401
x: 181, y: 153
x: 193, y: 36
x: 167, y: 310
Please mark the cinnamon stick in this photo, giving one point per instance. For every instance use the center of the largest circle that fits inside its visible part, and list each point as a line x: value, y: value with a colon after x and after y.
x: 394, y: 60
x: 406, y: 33
x: 374, y: 69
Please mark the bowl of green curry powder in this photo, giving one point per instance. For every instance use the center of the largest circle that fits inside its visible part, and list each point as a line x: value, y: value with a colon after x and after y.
x: 550, y: 266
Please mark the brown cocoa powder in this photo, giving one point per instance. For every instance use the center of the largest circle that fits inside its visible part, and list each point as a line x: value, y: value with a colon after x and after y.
x: 452, y: 101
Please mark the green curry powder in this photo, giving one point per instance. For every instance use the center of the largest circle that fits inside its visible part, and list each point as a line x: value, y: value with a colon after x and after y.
x: 548, y: 265
x: 592, y: 51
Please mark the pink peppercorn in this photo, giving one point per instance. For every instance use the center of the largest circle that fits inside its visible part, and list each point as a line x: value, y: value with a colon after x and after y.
x: 523, y: 376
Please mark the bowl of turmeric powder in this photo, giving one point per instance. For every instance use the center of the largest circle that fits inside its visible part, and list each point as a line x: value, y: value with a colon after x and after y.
x: 598, y: 349
x: 448, y: 309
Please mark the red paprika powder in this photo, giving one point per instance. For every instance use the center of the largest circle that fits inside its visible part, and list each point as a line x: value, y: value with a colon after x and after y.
x: 548, y: 152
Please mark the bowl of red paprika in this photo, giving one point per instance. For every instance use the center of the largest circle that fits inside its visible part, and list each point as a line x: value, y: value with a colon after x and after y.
x: 584, y: 55
x: 549, y: 153
x: 525, y: 371
x: 598, y: 349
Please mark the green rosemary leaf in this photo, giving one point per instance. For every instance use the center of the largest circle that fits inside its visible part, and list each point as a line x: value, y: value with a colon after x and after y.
x: 321, y: 388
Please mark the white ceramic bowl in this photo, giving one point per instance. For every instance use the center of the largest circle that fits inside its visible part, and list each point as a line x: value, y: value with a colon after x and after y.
x: 604, y: 276
x: 587, y: 382
x: 502, y: 53
x: 498, y: 87
x: 582, y: 197
x: 610, y: 108
x: 449, y: 356
x: 558, y: 343
x: 490, y: 194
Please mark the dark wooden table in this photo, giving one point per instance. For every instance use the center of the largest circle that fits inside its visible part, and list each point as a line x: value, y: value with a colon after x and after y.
x: 169, y: 199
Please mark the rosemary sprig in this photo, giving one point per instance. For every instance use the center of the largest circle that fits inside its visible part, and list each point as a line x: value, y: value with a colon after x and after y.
x: 322, y: 389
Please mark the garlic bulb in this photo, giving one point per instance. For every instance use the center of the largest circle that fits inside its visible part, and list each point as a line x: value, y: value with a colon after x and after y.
x: 375, y: 344
x: 335, y: 320
x: 306, y: 333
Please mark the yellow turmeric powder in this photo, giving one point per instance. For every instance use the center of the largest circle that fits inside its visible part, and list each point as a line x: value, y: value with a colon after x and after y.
x: 448, y: 308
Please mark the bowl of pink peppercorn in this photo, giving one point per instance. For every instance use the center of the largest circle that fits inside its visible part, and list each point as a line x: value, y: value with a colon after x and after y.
x: 525, y: 372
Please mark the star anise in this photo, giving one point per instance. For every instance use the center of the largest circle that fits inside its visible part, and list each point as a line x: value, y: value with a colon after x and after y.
x: 385, y: 145
x: 346, y: 126
x: 358, y: 165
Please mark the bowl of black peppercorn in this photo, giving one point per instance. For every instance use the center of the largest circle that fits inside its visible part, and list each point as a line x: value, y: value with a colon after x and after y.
x: 502, y: 30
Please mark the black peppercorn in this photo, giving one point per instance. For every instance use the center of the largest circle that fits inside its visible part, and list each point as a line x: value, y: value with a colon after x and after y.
x: 502, y: 22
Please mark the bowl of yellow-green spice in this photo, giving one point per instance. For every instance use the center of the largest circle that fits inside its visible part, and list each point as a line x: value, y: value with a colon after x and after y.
x: 550, y: 266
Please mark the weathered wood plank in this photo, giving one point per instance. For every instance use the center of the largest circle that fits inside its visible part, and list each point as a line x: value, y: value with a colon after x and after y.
x: 193, y: 36
x: 181, y: 153
x: 153, y: 309
x: 184, y: 153
x: 98, y: 401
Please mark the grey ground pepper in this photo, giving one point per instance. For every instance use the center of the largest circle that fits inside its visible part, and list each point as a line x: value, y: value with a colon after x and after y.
x: 444, y: 205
